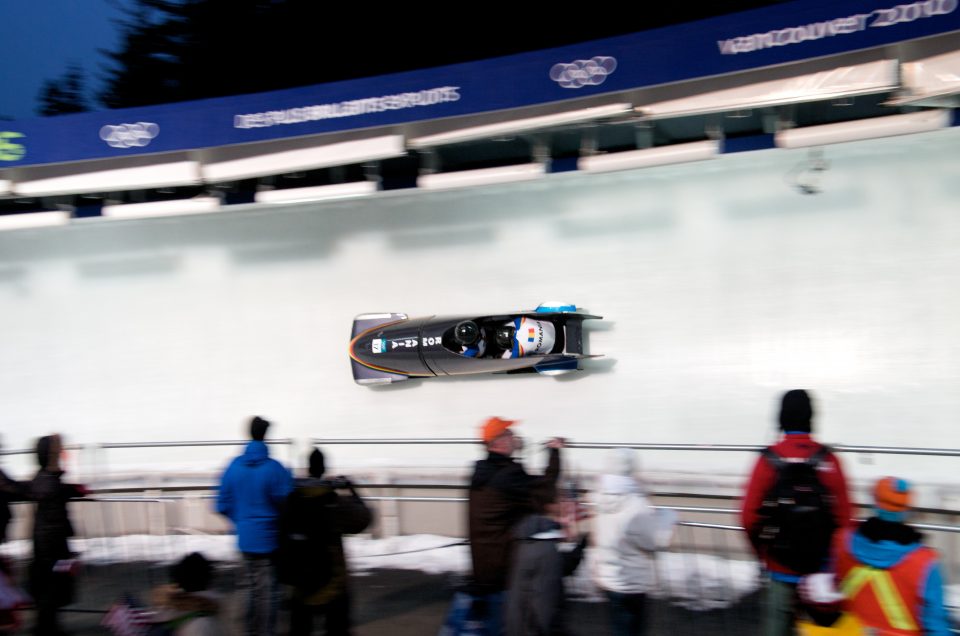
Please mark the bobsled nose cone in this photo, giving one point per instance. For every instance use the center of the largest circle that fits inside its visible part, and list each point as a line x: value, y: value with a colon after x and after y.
x: 366, y: 347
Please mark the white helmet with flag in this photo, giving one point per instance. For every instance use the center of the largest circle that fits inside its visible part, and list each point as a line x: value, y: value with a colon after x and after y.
x: 526, y: 336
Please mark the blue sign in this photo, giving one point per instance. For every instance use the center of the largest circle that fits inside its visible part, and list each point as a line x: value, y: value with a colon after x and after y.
x: 759, y: 38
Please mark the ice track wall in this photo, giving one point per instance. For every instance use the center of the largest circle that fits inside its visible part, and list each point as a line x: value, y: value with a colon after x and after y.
x: 720, y: 285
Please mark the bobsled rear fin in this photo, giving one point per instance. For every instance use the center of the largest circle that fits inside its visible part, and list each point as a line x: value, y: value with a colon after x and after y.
x: 367, y: 376
x: 574, y: 337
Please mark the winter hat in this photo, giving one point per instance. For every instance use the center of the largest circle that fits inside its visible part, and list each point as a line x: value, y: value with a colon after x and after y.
x: 192, y: 573
x: 258, y: 428
x: 317, y: 464
x: 494, y: 427
x: 43, y: 450
x: 891, y: 497
x: 48, y: 446
x: 796, y: 411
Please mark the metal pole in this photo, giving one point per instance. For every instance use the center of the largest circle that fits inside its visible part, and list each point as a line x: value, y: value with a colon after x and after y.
x: 399, y: 440
x: 177, y: 444
x: 738, y: 448
x: 713, y: 526
x: 672, y: 447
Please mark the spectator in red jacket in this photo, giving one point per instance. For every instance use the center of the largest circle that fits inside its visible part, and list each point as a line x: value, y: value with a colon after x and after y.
x: 796, y: 415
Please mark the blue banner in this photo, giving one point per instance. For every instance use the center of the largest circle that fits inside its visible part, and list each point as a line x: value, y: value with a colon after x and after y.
x: 770, y: 36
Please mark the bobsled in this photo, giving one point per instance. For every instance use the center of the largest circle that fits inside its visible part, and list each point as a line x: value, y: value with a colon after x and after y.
x: 391, y: 347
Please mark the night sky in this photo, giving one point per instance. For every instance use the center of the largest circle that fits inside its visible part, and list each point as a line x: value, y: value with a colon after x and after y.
x: 41, y: 38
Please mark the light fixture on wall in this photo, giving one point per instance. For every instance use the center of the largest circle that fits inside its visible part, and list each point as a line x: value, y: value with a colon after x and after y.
x: 648, y: 157
x: 301, y: 159
x: 198, y: 205
x: 842, y: 83
x: 138, y: 178
x: 485, y: 176
x: 33, y: 219
x: 317, y: 193
x: 874, y: 128
x: 528, y: 124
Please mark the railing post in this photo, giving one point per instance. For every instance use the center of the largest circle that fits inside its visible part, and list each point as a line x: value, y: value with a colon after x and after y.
x: 389, y: 513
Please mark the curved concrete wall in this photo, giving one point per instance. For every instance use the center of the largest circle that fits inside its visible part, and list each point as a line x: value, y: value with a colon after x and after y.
x: 720, y: 284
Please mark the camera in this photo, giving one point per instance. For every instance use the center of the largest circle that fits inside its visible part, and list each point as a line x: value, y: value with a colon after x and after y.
x: 336, y: 483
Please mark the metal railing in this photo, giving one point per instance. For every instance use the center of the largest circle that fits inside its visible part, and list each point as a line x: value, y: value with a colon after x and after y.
x: 452, y: 441
x: 744, y: 448
x: 708, y: 577
x: 173, y: 444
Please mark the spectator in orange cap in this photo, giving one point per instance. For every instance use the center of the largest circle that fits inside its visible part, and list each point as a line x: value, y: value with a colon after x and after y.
x: 501, y: 493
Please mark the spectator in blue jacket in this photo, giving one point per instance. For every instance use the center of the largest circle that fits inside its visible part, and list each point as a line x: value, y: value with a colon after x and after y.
x: 252, y: 490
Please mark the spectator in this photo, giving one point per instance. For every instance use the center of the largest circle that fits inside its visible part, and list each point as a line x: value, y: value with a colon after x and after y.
x: 500, y: 495
x: 626, y: 533
x: 10, y: 491
x: 535, y: 602
x: 187, y: 607
x: 793, y: 539
x: 11, y: 598
x: 311, y: 548
x: 892, y: 583
x: 252, y: 490
x: 52, y: 569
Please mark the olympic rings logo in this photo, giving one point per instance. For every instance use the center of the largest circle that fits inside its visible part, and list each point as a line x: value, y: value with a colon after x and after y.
x: 130, y: 135
x: 580, y: 73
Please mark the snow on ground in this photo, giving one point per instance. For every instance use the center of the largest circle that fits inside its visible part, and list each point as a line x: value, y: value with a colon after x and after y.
x: 424, y: 552
x: 693, y: 581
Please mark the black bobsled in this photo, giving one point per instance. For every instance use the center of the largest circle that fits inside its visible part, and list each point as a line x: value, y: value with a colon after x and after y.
x: 391, y: 347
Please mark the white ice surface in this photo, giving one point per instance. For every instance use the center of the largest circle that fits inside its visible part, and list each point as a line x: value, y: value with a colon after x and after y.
x: 720, y: 286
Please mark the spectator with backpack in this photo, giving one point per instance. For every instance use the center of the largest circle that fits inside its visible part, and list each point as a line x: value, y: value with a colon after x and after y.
x: 796, y: 499
x: 311, y: 556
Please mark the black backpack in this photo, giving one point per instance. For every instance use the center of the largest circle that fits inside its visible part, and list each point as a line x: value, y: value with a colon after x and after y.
x: 797, y: 522
x: 307, y: 537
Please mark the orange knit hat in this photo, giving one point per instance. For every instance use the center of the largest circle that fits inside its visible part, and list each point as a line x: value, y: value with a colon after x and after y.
x: 494, y: 427
x: 891, y: 497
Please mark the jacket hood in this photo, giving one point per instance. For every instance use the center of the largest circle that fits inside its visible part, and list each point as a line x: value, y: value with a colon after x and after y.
x: 615, y: 491
x: 621, y: 461
x: 618, y: 485
x: 255, y: 453
x: 880, y: 554
x: 612, y: 503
